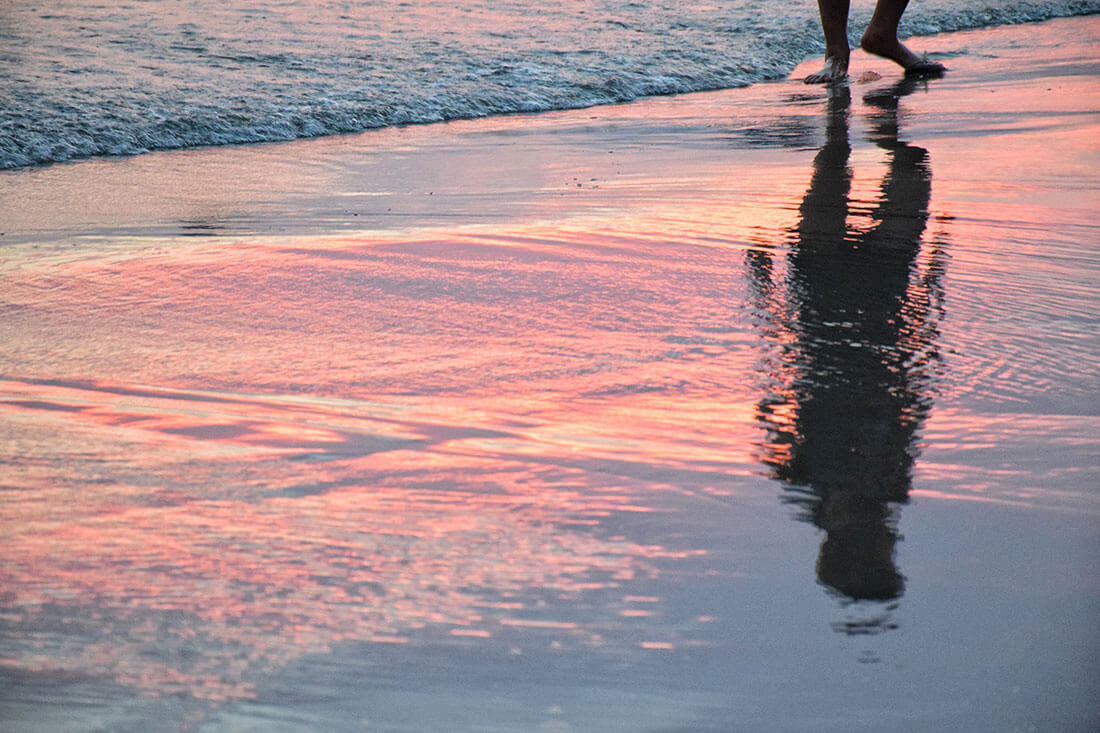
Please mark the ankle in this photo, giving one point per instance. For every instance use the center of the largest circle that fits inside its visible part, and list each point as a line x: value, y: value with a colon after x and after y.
x: 873, y: 41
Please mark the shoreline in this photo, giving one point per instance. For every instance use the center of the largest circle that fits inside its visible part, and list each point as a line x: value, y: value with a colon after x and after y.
x: 772, y: 409
x: 51, y: 122
x: 261, y: 189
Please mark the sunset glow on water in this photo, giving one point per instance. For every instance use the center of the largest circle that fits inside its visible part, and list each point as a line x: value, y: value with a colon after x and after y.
x: 615, y: 435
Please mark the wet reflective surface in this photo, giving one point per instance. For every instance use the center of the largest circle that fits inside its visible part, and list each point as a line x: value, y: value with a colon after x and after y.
x: 854, y: 322
x: 573, y: 442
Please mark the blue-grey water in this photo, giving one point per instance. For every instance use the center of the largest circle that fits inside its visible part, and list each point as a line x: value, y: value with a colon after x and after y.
x: 114, y: 78
x: 767, y: 409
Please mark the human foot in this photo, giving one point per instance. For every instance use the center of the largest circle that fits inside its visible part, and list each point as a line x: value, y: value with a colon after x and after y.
x: 836, y: 69
x: 925, y: 67
x: 889, y: 47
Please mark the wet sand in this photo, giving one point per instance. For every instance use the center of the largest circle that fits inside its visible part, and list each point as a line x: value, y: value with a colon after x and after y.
x: 762, y: 409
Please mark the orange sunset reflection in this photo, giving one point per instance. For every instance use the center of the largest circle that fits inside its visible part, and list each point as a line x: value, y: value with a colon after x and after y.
x: 222, y: 456
x: 266, y: 538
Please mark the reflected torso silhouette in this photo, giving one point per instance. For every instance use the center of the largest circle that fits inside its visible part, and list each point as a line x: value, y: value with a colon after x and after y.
x: 856, y: 349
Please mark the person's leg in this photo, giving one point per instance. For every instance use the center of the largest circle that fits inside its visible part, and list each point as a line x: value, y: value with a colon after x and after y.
x: 834, y: 23
x: 881, y: 39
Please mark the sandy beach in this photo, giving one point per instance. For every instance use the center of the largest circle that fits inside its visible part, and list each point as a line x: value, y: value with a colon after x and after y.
x: 769, y: 408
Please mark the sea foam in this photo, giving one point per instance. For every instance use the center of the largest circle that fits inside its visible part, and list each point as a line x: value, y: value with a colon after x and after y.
x: 79, y: 80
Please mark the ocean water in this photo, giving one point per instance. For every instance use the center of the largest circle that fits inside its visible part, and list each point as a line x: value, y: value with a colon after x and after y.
x: 767, y: 409
x: 80, y: 79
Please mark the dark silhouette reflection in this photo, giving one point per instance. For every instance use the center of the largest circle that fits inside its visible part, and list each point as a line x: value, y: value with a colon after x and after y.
x: 854, y: 310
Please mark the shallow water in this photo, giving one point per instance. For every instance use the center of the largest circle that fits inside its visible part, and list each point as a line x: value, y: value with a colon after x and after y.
x: 567, y: 443
x: 81, y: 79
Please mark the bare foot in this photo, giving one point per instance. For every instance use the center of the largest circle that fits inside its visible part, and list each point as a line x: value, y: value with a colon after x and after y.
x: 889, y: 47
x: 836, y: 69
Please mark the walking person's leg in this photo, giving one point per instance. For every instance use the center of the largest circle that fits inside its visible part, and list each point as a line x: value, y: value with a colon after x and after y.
x: 834, y: 23
x: 881, y: 39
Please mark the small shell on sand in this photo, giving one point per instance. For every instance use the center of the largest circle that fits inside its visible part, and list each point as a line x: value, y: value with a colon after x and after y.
x: 868, y: 76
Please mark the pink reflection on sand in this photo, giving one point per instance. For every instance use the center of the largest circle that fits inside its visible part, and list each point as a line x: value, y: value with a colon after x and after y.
x: 260, y: 584
x: 503, y: 391
x: 213, y: 557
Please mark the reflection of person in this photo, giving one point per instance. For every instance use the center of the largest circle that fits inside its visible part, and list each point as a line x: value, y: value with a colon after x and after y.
x: 881, y: 39
x: 858, y: 337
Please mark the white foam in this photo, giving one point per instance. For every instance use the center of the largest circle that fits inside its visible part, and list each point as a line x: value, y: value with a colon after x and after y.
x: 81, y: 81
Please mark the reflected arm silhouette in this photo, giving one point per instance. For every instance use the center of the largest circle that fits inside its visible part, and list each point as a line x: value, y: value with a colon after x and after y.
x: 852, y: 329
